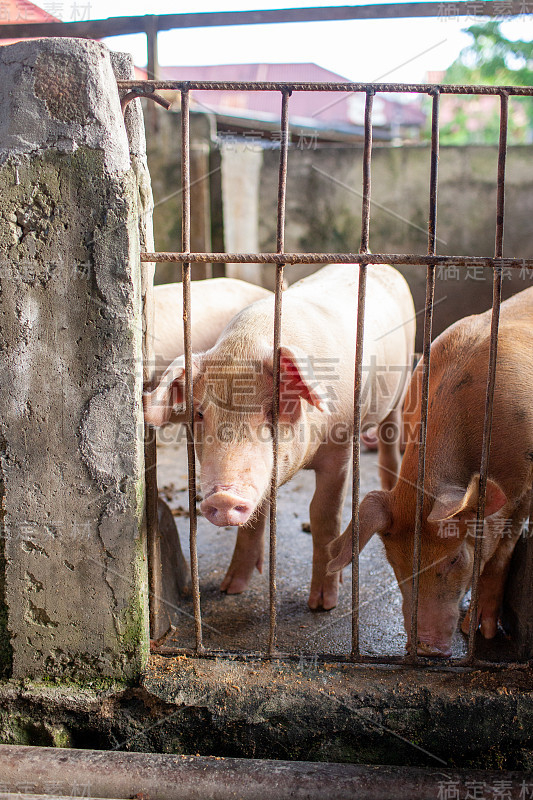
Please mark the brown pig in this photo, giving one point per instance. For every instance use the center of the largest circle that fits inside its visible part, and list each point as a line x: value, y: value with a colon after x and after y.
x: 233, y: 388
x: 459, y: 364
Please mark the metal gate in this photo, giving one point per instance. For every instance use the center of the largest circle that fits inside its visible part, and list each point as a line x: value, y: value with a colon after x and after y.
x: 430, y: 260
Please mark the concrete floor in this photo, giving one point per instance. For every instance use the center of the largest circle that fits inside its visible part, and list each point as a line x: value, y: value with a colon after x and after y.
x: 241, y: 622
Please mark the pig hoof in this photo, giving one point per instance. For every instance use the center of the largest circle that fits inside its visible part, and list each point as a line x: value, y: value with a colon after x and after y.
x: 488, y: 624
x: 233, y: 585
x: 489, y: 627
x: 319, y: 601
x: 236, y: 582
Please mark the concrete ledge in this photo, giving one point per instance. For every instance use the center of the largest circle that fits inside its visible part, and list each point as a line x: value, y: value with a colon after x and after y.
x: 321, y: 713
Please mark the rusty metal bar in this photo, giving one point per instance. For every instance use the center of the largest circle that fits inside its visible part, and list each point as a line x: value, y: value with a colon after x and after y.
x: 361, y: 296
x: 153, y: 538
x: 139, y: 92
x: 451, y: 664
x: 367, y: 156
x: 298, y: 86
x: 428, y: 323
x: 491, y: 378
x: 280, y: 242
x: 342, y: 258
x: 186, y: 278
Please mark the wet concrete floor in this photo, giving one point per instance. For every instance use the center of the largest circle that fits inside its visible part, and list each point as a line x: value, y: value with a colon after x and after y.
x: 241, y: 622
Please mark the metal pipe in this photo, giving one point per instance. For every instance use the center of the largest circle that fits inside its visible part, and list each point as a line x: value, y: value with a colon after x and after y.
x: 491, y: 378
x: 186, y: 278
x: 428, y: 324
x: 120, y: 26
x: 280, y: 242
x: 174, y: 777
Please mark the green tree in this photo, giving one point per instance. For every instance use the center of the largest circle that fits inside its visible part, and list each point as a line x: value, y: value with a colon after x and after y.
x: 490, y: 59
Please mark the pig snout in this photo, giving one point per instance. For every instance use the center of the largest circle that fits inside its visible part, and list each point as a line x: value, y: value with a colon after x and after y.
x: 433, y: 642
x: 431, y: 649
x: 224, y: 507
x: 435, y: 630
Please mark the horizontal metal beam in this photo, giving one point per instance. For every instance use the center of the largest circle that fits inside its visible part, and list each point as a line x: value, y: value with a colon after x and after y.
x: 147, y: 87
x: 454, y: 664
x: 342, y: 258
x: 118, y: 26
x: 109, y: 774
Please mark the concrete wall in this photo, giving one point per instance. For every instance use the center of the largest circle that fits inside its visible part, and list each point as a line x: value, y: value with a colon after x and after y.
x: 324, y: 207
x: 324, y: 214
x: 72, y: 478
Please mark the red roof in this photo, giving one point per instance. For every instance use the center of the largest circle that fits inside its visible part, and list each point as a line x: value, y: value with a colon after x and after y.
x: 333, y: 108
x: 20, y: 12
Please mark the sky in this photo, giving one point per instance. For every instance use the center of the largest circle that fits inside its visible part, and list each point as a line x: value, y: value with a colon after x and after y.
x: 362, y: 51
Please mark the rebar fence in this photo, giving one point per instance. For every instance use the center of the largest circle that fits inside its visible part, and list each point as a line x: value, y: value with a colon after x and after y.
x: 430, y: 260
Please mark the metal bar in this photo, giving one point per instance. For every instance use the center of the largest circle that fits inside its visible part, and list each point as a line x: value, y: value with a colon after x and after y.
x: 119, y: 26
x: 438, y: 665
x: 345, y: 86
x: 280, y: 241
x: 153, y: 538
x: 491, y: 378
x: 152, y: 63
x: 367, y: 156
x: 173, y: 777
x: 356, y: 445
x: 342, y: 258
x: 152, y: 68
x: 186, y: 278
x: 428, y: 323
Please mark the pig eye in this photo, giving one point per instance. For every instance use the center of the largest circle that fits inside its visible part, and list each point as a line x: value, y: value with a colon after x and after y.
x: 199, y: 416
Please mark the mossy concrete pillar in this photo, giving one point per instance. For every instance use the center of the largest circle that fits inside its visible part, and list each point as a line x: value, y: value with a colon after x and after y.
x: 73, y: 589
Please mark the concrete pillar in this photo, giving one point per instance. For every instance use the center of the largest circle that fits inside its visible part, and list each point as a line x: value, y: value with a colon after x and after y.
x: 241, y: 174
x: 200, y: 206
x: 74, y: 600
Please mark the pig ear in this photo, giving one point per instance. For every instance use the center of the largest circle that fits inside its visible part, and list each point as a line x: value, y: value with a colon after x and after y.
x: 374, y: 517
x: 461, y: 504
x: 297, y: 380
x: 158, y: 405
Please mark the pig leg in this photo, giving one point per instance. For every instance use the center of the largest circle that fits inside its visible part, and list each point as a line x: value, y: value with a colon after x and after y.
x: 248, y: 553
x: 492, y: 579
x: 389, y: 449
x: 326, y: 517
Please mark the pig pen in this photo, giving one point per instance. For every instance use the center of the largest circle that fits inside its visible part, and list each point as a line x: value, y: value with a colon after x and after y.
x: 275, y: 645
x: 312, y: 691
x: 77, y: 673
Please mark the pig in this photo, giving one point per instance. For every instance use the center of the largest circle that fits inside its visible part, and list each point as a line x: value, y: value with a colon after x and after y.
x: 459, y: 364
x: 233, y: 395
x: 213, y: 303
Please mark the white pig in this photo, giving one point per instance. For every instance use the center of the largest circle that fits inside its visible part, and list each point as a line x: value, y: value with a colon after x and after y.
x: 213, y: 303
x: 233, y: 388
